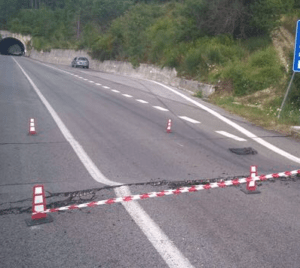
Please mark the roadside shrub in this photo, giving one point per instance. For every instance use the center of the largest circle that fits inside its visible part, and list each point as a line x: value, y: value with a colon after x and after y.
x: 261, y: 71
x: 264, y: 58
x: 256, y: 43
x: 209, y: 54
x: 195, y: 63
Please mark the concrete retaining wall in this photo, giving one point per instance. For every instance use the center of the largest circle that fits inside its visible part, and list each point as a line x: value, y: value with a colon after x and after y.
x: 166, y: 75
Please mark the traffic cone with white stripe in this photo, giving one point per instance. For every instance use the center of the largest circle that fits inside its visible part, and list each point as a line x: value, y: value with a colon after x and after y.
x: 38, y: 203
x: 169, y: 126
x: 38, y: 207
x: 251, y: 183
x: 32, y: 127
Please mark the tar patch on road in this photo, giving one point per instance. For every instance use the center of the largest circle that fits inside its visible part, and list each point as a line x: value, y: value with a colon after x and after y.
x: 243, y: 151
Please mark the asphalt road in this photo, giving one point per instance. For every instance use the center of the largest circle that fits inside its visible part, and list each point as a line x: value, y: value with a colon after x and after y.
x: 96, y: 130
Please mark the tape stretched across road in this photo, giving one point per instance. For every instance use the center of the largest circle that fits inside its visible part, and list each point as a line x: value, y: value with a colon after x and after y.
x: 191, y: 189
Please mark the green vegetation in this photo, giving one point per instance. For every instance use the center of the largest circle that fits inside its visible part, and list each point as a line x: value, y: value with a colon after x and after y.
x: 224, y: 42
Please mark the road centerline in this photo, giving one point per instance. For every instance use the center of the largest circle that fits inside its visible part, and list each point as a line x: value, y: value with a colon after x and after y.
x: 191, y: 120
x: 226, y: 134
x: 160, y: 108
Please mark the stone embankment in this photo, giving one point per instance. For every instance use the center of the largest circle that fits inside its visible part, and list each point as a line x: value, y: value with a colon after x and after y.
x: 165, y: 75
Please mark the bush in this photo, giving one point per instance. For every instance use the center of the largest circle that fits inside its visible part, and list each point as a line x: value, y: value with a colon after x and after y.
x: 209, y: 54
x: 261, y: 71
x: 253, y: 44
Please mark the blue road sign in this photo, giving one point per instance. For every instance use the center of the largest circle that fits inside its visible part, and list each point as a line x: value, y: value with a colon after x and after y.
x: 296, y: 65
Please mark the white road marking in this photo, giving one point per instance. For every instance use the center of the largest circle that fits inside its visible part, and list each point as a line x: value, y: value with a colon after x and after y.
x: 164, y: 246
x: 189, y: 119
x: 106, y: 87
x: 80, y: 77
x: 91, y: 81
x: 85, y: 79
x: 236, y: 126
x: 224, y: 133
x: 142, y: 101
x: 160, y: 108
x: 98, y: 84
x: 116, y: 91
x: 127, y: 96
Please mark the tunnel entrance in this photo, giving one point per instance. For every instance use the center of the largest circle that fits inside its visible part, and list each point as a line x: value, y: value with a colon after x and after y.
x: 11, y: 46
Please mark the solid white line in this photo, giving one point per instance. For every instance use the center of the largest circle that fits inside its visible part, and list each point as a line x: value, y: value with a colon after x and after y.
x: 224, y: 133
x: 160, y: 108
x: 127, y: 96
x: 116, y: 91
x: 164, y: 246
x: 142, y: 101
x: 106, y: 87
x: 189, y: 119
x: 168, y: 251
x: 236, y: 126
x: 82, y: 155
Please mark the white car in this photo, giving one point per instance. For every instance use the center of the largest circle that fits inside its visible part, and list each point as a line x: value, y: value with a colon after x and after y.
x: 80, y: 62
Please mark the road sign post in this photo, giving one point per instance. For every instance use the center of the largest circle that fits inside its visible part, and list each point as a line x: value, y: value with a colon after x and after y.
x: 296, y: 64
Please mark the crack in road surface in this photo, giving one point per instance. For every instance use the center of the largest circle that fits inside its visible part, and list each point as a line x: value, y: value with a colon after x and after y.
x: 62, y: 199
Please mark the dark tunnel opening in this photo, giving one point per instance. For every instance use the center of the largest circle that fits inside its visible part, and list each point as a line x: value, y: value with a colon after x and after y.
x: 11, y: 46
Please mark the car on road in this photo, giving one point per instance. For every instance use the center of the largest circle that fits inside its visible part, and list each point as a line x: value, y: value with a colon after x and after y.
x: 80, y: 62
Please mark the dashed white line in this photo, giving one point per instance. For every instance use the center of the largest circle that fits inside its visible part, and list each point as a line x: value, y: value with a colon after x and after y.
x: 224, y: 133
x: 189, y: 119
x: 116, y: 91
x: 160, y: 108
x: 142, y: 101
x: 98, y: 84
x: 85, y: 79
x: 127, y: 96
x: 91, y: 81
x: 106, y: 87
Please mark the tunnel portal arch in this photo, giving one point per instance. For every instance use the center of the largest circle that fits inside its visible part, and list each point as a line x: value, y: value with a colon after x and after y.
x: 12, y: 46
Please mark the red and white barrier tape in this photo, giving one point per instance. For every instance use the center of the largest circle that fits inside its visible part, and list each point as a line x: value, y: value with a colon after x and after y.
x: 194, y: 188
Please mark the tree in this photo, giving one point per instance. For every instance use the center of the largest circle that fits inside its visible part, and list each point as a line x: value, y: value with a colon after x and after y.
x: 240, y: 18
x: 8, y: 9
